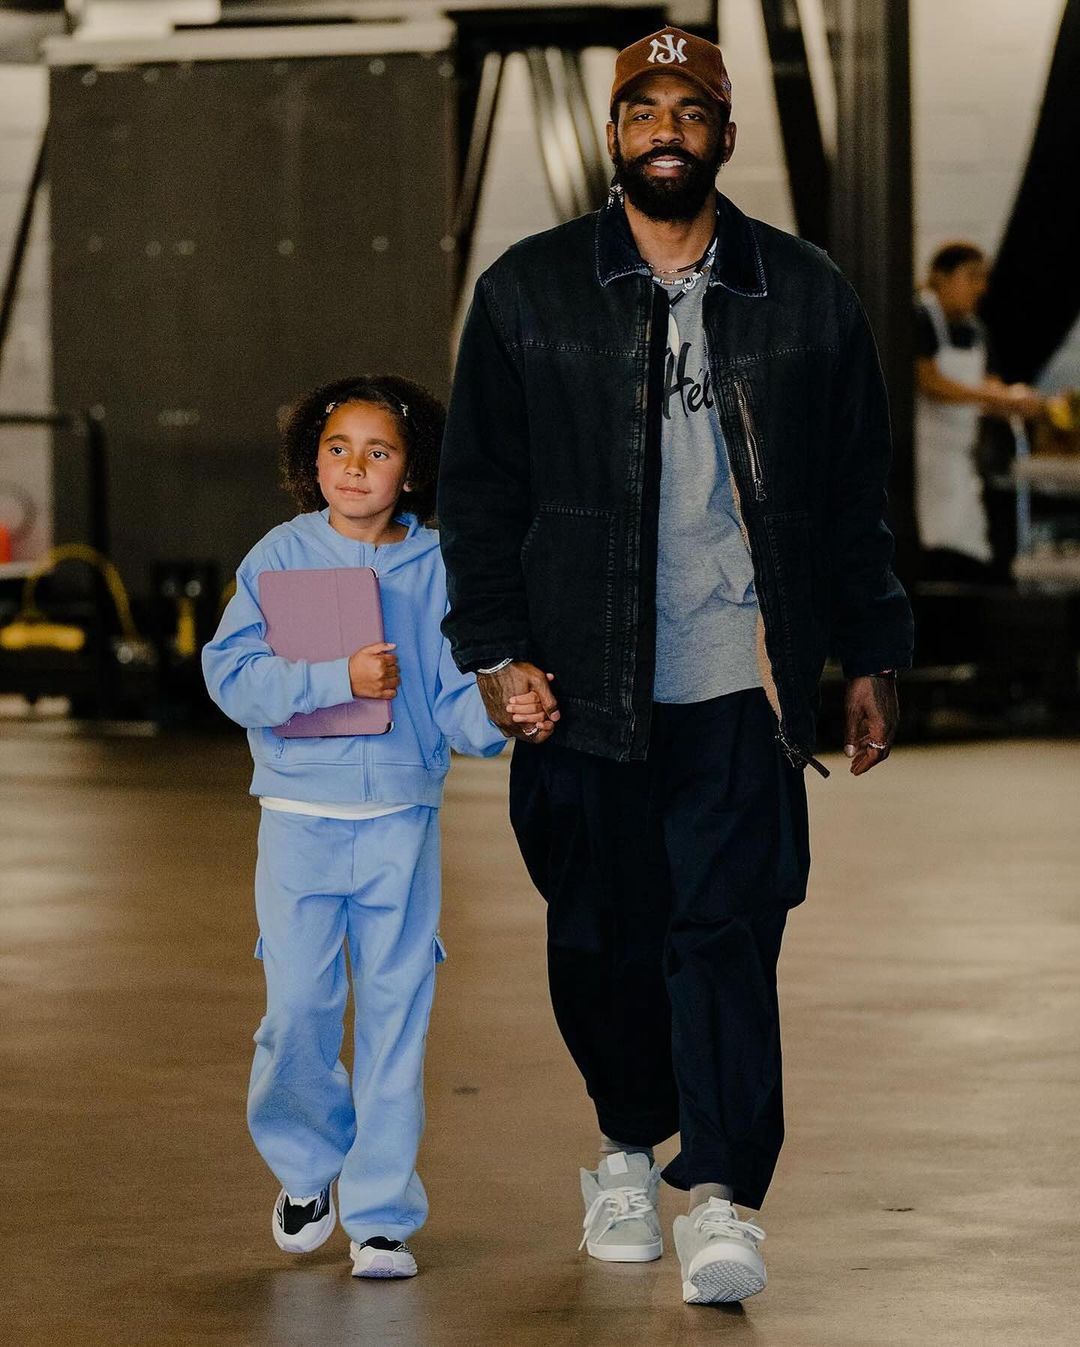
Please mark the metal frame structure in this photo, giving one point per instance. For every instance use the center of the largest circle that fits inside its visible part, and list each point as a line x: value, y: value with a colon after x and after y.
x: 552, y: 34
x: 872, y: 224
x: 252, y: 43
x: 21, y: 244
x: 808, y: 166
x: 552, y: 39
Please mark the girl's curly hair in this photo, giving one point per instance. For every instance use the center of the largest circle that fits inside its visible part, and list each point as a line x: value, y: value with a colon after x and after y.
x: 421, y: 416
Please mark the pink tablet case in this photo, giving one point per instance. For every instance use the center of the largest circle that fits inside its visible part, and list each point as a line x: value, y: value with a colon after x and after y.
x: 324, y: 615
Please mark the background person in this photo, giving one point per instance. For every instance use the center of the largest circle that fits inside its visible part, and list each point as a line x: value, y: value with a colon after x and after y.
x: 953, y: 390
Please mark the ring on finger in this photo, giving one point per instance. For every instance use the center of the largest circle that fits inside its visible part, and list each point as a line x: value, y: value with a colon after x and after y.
x: 535, y: 730
x: 873, y: 743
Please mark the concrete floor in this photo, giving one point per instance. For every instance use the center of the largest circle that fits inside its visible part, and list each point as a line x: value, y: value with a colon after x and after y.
x: 928, y: 1192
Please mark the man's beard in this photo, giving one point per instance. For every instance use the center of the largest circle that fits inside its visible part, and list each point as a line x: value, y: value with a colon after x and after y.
x: 668, y: 198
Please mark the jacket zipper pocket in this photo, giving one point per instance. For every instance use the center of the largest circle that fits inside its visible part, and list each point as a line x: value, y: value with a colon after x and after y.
x: 798, y: 758
x: 746, y: 416
x: 795, y: 755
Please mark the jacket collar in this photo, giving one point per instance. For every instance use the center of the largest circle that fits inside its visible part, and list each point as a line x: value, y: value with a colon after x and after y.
x: 738, y: 266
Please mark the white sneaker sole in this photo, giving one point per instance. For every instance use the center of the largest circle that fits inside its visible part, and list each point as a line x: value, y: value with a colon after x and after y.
x: 625, y: 1253
x: 727, y: 1276
x: 310, y: 1238
x: 381, y: 1263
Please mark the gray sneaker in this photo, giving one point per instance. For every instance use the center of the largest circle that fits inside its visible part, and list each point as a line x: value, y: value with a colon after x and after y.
x: 718, y: 1254
x: 621, y: 1222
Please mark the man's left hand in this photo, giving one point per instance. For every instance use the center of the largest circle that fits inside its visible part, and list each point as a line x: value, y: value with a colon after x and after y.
x: 871, y: 715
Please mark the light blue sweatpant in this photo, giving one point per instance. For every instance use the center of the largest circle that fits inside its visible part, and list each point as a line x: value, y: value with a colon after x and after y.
x: 373, y: 885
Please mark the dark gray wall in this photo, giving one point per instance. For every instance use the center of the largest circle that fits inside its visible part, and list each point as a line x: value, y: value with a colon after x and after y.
x: 226, y: 235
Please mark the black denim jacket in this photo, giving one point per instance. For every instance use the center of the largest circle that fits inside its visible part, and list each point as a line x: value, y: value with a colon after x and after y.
x: 549, y: 486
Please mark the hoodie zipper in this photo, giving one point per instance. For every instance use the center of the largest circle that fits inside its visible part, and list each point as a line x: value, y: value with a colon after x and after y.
x: 746, y: 416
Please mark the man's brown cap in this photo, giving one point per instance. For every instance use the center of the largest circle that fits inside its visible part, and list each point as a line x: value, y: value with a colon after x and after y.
x: 673, y: 52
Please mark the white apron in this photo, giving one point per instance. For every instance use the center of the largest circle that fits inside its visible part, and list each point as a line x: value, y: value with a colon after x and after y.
x: 948, y: 489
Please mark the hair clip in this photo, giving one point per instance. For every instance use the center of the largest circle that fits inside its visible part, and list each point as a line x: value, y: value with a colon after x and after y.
x: 404, y: 406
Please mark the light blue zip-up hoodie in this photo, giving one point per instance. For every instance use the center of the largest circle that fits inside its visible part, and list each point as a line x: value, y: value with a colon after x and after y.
x: 435, y: 707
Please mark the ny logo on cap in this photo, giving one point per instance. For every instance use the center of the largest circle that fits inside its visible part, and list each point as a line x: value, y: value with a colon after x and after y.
x: 666, y: 51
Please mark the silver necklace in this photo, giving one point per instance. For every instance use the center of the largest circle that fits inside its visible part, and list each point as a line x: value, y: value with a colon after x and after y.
x: 695, y: 270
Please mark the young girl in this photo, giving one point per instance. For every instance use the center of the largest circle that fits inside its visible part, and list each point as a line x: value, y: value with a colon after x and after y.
x: 348, y: 839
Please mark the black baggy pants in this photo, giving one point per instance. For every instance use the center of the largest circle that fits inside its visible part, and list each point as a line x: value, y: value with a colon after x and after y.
x: 668, y: 884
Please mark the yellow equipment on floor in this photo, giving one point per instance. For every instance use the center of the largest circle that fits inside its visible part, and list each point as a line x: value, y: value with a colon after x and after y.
x: 30, y: 629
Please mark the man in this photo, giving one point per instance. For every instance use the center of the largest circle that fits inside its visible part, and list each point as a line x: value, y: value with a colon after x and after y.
x: 663, y: 485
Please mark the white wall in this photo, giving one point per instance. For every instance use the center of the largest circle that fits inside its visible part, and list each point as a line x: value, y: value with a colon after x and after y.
x: 515, y: 201
x: 978, y: 70
x: 978, y: 73
x: 26, y: 373
x: 756, y: 178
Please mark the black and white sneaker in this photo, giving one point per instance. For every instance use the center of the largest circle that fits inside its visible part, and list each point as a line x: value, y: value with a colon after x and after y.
x: 382, y: 1257
x: 301, y: 1224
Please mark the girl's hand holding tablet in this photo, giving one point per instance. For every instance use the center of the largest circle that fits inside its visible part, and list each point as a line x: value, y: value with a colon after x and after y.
x: 373, y: 672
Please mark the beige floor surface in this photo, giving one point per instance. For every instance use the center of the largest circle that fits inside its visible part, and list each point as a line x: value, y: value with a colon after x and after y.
x: 928, y: 1193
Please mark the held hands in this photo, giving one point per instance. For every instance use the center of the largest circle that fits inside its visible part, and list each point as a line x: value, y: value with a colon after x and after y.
x: 373, y: 672
x: 519, y: 700
x: 871, y: 715
x: 526, y: 711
